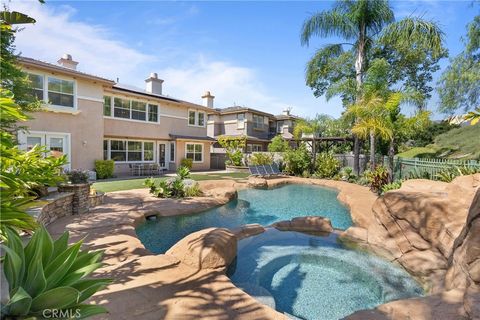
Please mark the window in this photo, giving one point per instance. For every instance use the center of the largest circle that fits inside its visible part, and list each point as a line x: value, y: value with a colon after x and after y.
x: 254, y: 148
x: 118, y: 150
x: 241, y: 121
x: 33, y: 141
x: 257, y: 121
x: 55, y: 144
x: 279, y: 126
x: 191, y: 118
x: 36, y: 81
x: 60, y: 92
x: 139, y: 111
x: 121, y: 108
x: 196, y: 118
x: 172, y: 151
x: 201, y: 119
x: 134, y: 151
x: 194, y: 151
x: 107, y: 106
x: 152, y: 113
x: 148, y: 151
x: 105, y: 149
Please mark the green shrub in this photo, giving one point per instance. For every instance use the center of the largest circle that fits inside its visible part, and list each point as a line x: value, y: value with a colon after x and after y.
x: 193, y: 191
x: 278, y: 144
x: 297, y: 161
x: 177, y: 187
x: 47, y: 274
x: 347, y: 174
x: 392, y: 186
x: 233, y: 149
x: 326, y: 166
x: 417, y: 173
x: 257, y: 159
x: 183, y: 172
x: 186, y: 163
x: 448, y: 174
x: 77, y: 176
x: 104, y: 168
x: 377, y: 178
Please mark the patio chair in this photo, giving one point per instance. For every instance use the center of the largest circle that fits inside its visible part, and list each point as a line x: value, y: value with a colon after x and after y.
x: 265, y: 170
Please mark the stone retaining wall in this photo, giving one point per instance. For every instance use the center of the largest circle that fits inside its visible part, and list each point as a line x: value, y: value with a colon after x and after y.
x: 81, y: 192
x: 52, y: 207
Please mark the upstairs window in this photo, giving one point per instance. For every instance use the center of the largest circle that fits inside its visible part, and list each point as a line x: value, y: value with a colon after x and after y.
x: 139, y: 111
x: 191, y: 118
x: 201, y: 119
x: 152, y: 113
x: 121, y: 108
x: 258, y: 122
x: 36, y: 81
x: 107, y: 106
x: 241, y: 121
x: 61, y: 92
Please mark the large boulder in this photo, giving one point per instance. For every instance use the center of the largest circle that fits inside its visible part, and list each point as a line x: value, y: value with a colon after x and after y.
x: 212, y: 248
x: 305, y: 224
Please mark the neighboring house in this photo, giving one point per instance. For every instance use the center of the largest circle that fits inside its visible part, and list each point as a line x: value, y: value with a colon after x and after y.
x: 89, y: 118
x: 257, y: 126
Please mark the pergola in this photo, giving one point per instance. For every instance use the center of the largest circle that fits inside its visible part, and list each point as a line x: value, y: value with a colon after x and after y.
x: 319, y: 144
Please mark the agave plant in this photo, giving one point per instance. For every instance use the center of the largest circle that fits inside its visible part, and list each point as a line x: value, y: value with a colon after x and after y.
x: 183, y: 172
x: 48, y: 275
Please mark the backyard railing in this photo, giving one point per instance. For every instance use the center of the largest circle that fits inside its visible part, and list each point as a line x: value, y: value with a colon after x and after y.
x: 428, y: 167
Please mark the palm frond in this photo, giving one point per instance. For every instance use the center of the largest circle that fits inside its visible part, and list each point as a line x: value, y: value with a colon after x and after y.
x: 326, y: 24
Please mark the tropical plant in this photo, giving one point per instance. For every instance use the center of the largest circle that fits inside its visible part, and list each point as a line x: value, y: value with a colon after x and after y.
x: 278, y: 144
x: 377, y: 178
x: 47, y: 274
x: 183, y: 172
x: 77, y: 176
x: 347, y: 174
x: 365, y: 25
x: 188, y: 163
x: 327, y: 166
x: 233, y: 148
x: 297, y: 161
x: 417, y: 173
x: 104, y: 168
x: 391, y: 186
x: 257, y: 159
x: 448, y: 174
x: 177, y: 187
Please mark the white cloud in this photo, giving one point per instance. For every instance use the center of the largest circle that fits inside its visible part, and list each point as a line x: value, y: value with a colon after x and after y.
x: 229, y: 83
x: 55, y: 33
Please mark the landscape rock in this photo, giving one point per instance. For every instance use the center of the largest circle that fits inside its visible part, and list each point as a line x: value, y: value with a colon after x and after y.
x: 212, y: 248
x: 305, y: 224
x: 257, y: 182
x: 248, y: 230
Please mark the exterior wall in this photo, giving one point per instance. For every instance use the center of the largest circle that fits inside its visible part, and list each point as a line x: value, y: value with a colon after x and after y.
x: 85, y: 129
x: 257, y: 132
x: 180, y: 154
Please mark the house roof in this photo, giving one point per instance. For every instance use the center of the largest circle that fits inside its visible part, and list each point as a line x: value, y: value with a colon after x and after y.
x: 238, y: 109
x: 249, y: 138
x: 133, y: 89
x: 50, y: 66
x: 286, y: 117
x: 183, y: 137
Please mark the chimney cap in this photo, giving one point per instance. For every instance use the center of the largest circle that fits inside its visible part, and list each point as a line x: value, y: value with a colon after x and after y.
x: 153, y: 77
x: 207, y: 94
x: 67, y: 61
x: 67, y: 56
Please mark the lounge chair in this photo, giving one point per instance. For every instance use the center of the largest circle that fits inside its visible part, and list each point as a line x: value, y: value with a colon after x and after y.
x: 267, y: 170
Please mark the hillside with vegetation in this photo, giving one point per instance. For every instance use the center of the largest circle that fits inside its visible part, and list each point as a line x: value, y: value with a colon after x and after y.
x: 458, y: 143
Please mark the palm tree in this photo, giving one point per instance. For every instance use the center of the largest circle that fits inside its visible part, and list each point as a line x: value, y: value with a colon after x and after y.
x: 362, y: 23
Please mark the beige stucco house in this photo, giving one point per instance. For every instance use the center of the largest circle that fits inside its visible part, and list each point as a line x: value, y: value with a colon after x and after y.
x: 89, y: 118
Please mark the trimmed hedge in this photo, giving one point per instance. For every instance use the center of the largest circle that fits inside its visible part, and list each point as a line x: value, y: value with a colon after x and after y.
x: 104, y: 168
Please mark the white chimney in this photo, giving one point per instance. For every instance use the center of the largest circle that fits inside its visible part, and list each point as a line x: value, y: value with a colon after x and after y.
x: 153, y: 84
x: 67, y: 62
x: 286, y: 111
x: 208, y: 99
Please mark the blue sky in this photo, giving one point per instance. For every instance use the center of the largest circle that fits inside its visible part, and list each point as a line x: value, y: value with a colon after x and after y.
x: 247, y: 53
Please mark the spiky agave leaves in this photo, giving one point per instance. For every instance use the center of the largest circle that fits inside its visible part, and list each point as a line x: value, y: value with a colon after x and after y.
x: 47, y: 274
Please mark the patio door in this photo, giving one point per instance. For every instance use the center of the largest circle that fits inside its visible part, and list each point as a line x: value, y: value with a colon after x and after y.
x: 162, y: 154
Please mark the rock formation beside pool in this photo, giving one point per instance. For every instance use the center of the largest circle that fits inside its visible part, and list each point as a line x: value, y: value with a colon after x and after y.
x: 433, y: 230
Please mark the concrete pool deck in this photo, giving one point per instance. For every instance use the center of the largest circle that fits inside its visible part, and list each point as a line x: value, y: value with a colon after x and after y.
x: 148, y: 286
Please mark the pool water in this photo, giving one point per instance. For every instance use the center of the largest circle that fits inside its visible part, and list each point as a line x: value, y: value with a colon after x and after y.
x: 263, y: 206
x: 316, y: 277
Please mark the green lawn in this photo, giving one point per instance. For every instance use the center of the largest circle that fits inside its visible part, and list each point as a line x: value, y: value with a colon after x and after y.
x: 119, y: 185
x: 418, y: 152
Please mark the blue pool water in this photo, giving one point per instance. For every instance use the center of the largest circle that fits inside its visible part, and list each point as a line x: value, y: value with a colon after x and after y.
x: 316, y: 277
x: 252, y: 206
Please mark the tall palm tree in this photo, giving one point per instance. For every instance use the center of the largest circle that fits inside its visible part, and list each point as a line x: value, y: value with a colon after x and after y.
x: 362, y: 23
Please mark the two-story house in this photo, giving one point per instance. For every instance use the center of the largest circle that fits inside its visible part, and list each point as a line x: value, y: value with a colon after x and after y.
x: 88, y: 117
x: 257, y: 126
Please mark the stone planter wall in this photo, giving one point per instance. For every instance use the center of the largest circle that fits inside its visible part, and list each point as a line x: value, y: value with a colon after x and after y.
x: 52, y: 207
x: 237, y: 169
x: 81, y: 201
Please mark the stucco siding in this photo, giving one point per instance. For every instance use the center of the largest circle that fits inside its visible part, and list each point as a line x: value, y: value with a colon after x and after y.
x: 180, y: 154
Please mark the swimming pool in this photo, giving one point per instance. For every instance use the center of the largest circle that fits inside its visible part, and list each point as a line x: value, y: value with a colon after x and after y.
x: 316, y: 277
x: 263, y: 206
